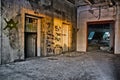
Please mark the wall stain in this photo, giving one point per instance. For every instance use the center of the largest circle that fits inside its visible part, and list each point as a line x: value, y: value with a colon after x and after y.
x: 12, y: 33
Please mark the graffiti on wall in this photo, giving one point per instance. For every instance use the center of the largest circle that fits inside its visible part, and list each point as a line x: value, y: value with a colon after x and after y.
x: 54, y: 40
x: 10, y: 24
x: 50, y: 39
x: 59, y: 39
x: 12, y: 33
x: 57, y: 33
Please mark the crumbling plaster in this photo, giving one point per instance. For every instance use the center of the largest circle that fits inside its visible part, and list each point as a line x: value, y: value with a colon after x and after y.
x: 12, y: 9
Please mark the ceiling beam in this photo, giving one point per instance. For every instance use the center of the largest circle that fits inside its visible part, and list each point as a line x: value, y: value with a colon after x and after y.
x: 101, y: 4
x: 72, y: 1
x: 89, y: 2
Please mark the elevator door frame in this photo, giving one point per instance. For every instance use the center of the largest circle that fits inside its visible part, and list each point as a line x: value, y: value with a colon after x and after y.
x: 38, y: 33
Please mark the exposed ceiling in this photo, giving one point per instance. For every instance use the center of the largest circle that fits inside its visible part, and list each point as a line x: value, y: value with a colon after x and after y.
x: 95, y: 3
x: 72, y: 1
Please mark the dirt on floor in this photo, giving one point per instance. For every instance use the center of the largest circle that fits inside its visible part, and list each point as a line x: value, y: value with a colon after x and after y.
x: 69, y: 66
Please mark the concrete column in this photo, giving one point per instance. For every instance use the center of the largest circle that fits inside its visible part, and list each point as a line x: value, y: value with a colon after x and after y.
x: 82, y: 30
x: 39, y: 38
x: 111, y: 36
x: 117, y: 32
x: 81, y: 38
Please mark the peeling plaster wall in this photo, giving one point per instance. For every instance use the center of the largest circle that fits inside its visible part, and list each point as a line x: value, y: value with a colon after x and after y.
x: 11, y: 9
x: 84, y: 16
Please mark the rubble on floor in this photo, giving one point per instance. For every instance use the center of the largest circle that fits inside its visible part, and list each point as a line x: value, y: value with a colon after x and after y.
x: 87, y: 66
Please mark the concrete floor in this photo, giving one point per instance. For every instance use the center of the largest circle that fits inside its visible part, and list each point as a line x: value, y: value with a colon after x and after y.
x: 80, y: 66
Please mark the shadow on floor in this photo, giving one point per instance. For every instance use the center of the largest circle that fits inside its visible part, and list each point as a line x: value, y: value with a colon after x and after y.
x: 116, y: 62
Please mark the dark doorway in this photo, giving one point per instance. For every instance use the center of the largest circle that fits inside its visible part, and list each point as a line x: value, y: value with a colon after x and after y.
x: 31, y: 24
x: 30, y: 45
x: 100, y: 37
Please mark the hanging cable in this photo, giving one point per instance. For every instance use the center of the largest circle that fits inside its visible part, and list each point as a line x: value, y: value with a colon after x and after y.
x: 99, y: 12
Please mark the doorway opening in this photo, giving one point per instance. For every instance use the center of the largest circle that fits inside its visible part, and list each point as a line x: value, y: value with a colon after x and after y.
x: 65, y: 37
x: 31, y: 25
x: 100, y: 36
x: 30, y: 45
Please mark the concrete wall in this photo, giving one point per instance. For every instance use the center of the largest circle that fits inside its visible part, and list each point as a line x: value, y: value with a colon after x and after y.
x: 12, y: 9
x: 0, y: 32
x: 117, y: 32
x: 84, y: 16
